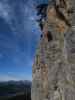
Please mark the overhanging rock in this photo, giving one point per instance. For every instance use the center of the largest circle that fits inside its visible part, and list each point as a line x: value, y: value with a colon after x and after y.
x: 54, y: 64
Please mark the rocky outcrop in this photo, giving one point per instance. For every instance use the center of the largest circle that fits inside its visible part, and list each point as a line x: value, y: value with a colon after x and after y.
x: 54, y: 64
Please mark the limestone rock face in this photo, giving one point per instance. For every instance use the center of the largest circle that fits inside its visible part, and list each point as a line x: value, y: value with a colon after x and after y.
x: 54, y: 64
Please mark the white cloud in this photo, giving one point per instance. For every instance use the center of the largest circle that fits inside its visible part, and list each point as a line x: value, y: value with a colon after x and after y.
x: 26, y: 27
x: 8, y: 77
x: 11, y: 76
x: 4, y: 11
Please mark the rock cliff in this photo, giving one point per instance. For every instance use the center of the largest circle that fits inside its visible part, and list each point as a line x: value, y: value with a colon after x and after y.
x: 54, y: 64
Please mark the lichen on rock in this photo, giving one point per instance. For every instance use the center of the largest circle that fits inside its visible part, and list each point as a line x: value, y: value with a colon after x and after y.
x: 54, y: 64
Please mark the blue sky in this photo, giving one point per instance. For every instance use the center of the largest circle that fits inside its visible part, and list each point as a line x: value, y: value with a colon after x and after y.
x: 19, y: 36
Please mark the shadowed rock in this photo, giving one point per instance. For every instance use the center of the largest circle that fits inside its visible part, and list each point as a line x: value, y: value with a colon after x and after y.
x: 54, y: 63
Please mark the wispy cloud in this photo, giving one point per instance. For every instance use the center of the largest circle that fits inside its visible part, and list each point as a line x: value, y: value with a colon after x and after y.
x: 20, y: 16
x: 8, y: 78
x: 11, y: 76
x: 17, y: 45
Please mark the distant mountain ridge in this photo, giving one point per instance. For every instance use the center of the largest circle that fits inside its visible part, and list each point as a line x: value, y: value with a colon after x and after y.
x: 12, y: 87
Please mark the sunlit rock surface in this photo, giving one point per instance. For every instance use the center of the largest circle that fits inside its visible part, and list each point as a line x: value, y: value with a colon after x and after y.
x: 54, y: 64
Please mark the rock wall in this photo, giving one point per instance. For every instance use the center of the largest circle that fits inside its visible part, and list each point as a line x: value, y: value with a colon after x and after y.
x: 54, y: 64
